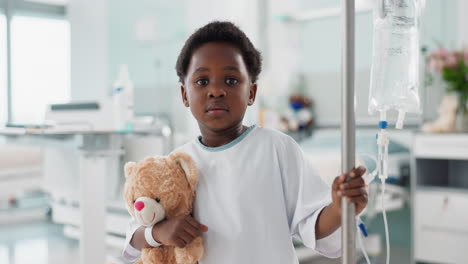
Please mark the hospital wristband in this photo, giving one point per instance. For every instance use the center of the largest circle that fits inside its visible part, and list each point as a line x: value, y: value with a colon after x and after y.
x: 149, y: 237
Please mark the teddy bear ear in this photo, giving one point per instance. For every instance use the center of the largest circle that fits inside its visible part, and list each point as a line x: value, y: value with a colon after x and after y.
x: 129, y: 168
x: 188, y: 166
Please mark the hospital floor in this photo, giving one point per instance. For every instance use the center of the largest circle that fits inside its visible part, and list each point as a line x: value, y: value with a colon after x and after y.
x: 42, y: 242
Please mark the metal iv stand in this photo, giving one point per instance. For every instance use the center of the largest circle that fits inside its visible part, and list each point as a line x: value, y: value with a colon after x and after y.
x: 348, y: 141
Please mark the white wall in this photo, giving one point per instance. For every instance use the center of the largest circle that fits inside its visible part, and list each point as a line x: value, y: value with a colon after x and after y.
x: 104, y: 28
x: 282, y: 58
x: 89, y: 49
x: 287, y: 47
x: 313, y: 47
x: 242, y: 12
x: 462, y: 23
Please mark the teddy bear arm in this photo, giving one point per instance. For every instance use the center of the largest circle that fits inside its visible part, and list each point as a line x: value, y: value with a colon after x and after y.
x: 160, y: 255
x: 192, y: 253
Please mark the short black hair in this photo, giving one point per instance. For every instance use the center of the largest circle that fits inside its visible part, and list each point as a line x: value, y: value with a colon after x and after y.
x: 220, y: 31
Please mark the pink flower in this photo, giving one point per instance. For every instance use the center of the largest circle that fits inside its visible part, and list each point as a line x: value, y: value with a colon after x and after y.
x: 442, y: 58
x: 436, y: 65
x: 440, y: 52
x: 451, y: 60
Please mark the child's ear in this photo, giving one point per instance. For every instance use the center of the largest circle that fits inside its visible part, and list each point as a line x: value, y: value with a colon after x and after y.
x: 183, y: 92
x: 252, y: 93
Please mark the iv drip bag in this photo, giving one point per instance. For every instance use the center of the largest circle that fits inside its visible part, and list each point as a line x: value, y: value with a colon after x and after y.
x: 395, y: 60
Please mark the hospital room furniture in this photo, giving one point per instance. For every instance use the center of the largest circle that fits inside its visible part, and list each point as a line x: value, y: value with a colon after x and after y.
x: 87, y: 211
x: 440, y: 198
x: 97, y: 149
x: 20, y: 172
x: 20, y: 168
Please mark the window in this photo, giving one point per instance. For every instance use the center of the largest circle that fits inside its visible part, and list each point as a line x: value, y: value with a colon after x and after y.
x: 34, y: 58
x: 40, y: 66
x: 3, y: 72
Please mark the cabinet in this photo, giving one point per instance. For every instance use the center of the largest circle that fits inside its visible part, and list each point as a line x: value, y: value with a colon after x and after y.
x: 440, y: 198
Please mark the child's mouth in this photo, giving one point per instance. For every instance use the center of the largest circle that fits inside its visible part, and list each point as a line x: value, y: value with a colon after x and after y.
x: 217, y: 108
x: 217, y: 111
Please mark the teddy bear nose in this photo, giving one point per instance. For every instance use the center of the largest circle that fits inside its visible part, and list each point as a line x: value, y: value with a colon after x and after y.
x: 139, y: 205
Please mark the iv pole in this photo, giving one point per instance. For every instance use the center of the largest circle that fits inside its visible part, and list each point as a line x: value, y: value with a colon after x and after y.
x: 348, y: 220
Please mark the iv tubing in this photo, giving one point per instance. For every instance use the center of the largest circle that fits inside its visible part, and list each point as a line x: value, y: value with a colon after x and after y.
x: 382, y: 166
x: 384, y: 213
x: 387, y: 237
x: 363, y: 248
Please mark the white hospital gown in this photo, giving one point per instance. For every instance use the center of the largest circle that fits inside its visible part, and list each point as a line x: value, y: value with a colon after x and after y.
x: 255, y: 194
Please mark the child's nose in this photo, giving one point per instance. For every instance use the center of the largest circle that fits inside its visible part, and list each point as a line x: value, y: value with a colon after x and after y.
x: 216, y: 92
x: 139, y: 205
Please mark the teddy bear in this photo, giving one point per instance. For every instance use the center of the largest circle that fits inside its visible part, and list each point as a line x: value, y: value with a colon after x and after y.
x: 447, y: 117
x: 158, y: 188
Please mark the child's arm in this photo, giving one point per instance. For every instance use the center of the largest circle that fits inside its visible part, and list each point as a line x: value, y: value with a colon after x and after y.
x: 178, y: 231
x: 329, y: 219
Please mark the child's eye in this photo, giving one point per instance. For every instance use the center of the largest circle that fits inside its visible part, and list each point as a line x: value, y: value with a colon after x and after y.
x: 202, y: 82
x: 231, y: 81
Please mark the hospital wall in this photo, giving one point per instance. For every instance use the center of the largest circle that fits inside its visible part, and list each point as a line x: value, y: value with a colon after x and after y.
x: 148, y: 38
x: 320, y: 58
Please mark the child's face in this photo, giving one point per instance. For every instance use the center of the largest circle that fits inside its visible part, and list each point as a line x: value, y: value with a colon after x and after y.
x: 217, y: 87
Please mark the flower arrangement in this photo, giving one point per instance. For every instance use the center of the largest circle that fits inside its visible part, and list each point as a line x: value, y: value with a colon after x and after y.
x: 453, y: 67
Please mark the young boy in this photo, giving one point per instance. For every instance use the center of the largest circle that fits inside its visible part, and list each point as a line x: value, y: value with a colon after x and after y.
x: 256, y: 189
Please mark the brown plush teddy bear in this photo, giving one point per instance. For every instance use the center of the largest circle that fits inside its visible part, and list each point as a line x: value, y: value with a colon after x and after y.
x: 158, y: 188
